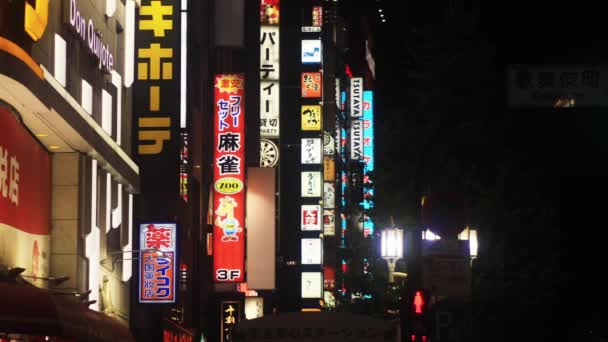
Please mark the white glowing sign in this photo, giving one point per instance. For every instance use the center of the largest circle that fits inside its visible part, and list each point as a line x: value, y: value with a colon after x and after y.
x: 311, y: 51
x: 269, y: 109
x: 311, y: 184
x: 356, y: 139
x: 311, y: 151
x: 91, y: 37
x: 312, y: 285
x: 356, y: 97
x: 311, y: 251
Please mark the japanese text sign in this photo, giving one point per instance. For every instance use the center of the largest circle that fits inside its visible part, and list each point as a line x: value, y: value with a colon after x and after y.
x: 25, y: 178
x: 311, y: 184
x: 311, y: 217
x: 156, y: 94
x: 311, y: 151
x: 269, y: 109
x: 157, y: 262
x: 329, y: 222
x: 269, y: 53
x: 229, y: 178
x: 311, y: 84
x: 230, y: 315
x: 311, y: 118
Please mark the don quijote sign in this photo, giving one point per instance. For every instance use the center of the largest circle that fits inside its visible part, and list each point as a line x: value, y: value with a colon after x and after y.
x: 91, y: 37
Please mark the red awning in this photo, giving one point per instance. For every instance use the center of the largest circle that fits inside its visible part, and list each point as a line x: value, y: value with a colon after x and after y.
x: 30, y: 310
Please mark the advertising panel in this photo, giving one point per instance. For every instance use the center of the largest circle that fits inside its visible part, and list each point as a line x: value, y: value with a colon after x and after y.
x: 270, y: 12
x: 311, y: 84
x: 311, y: 251
x: 329, y: 144
x: 311, y: 184
x: 356, y: 100
x: 254, y: 307
x: 311, y: 118
x: 311, y: 51
x: 368, y: 158
x: 157, y: 271
x: 329, y: 195
x: 25, y: 197
x: 230, y: 315
x: 311, y: 151
x: 329, y: 222
x: 156, y: 94
x: 557, y: 85
x: 269, y: 109
x: 269, y: 53
x: 312, y: 285
x: 311, y: 217
x: 329, y: 169
x: 317, y: 16
x: 356, y: 139
x: 229, y: 178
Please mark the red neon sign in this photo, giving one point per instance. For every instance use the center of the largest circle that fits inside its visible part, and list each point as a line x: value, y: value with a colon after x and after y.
x: 229, y: 178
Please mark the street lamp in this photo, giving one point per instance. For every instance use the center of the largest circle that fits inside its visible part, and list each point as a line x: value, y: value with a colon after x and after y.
x: 392, y: 249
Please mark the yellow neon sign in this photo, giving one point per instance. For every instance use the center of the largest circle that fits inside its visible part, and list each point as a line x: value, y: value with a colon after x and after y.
x: 36, y: 19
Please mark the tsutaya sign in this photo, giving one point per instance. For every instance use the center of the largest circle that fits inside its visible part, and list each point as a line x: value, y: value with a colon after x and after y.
x: 91, y: 37
x: 356, y: 97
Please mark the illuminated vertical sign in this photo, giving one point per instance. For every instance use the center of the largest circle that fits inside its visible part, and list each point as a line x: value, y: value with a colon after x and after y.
x: 269, y: 81
x: 356, y: 139
x: 368, y: 158
x: 311, y: 118
x: 184, y: 158
x: 269, y: 68
x: 356, y: 100
x: 317, y: 16
x: 311, y: 217
x: 311, y: 84
x: 311, y: 151
x: 311, y: 184
x: 230, y: 315
x: 229, y: 178
x: 156, y: 95
x: 157, y: 271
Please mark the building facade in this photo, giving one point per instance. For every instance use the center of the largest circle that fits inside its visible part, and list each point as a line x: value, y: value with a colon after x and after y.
x: 70, y: 179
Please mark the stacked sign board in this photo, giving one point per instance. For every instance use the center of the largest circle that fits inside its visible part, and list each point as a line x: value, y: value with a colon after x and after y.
x: 312, y: 162
x: 269, y: 82
x: 157, y: 104
x: 229, y: 178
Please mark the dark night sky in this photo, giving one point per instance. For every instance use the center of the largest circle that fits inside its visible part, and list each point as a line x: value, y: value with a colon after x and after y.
x: 563, y: 152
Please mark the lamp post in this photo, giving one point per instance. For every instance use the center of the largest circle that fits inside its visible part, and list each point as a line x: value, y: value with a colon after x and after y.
x: 392, y: 249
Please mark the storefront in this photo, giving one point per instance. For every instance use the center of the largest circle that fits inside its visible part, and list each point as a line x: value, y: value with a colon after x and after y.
x: 67, y: 179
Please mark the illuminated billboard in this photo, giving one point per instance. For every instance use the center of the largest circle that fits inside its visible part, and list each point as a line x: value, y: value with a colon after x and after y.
x: 311, y: 151
x: 311, y: 251
x: 311, y: 118
x: 229, y: 178
x: 311, y: 217
x: 311, y: 184
x: 157, y: 271
x: 368, y: 158
x: 312, y: 285
x: 311, y: 84
x: 311, y: 51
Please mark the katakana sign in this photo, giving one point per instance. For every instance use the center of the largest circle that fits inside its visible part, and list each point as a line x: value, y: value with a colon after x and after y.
x: 157, y: 271
x: 229, y: 178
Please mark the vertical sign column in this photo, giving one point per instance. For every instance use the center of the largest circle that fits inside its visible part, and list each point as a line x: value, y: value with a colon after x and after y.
x: 368, y: 159
x: 156, y: 109
x: 269, y: 82
x: 311, y: 170
x: 156, y: 101
x: 229, y: 177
